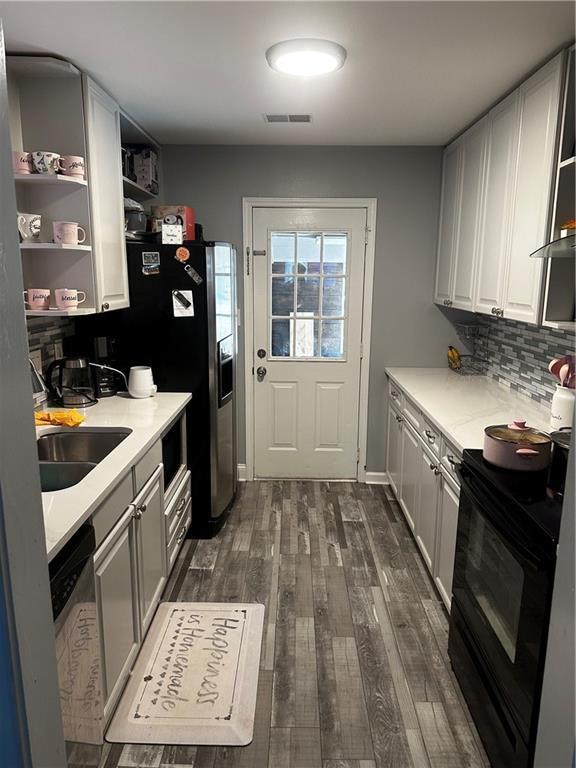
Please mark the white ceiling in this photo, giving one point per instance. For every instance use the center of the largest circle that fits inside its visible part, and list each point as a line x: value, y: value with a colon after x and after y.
x: 195, y: 72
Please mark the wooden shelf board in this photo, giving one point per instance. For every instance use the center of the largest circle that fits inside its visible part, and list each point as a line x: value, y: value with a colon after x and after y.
x: 54, y: 247
x: 136, y: 192
x: 60, y: 312
x: 49, y: 178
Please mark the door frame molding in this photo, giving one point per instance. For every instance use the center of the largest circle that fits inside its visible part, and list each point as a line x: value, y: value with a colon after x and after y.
x: 248, y: 205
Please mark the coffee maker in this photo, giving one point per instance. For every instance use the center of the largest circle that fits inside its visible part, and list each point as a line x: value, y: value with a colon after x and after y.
x: 100, y: 350
x: 74, y: 382
x: 105, y: 380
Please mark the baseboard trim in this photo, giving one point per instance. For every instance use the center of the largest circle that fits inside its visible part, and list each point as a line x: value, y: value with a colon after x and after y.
x: 376, y: 478
x: 241, y: 469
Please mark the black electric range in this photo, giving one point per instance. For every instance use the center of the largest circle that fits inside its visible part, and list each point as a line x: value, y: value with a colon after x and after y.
x: 508, y: 526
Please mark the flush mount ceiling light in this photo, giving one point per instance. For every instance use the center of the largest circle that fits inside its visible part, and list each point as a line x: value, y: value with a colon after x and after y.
x: 306, y: 57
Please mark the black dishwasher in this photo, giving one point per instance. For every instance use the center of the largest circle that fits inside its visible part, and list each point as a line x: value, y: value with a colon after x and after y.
x: 78, y: 647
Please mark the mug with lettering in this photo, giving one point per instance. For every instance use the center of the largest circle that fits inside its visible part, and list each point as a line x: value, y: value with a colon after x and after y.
x: 29, y: 225
x: 37, y: 298
x: 22, y: 162
x: 72, y: 165
x: 68, y: 298
x: 45, y: 162
x: 68, y: 232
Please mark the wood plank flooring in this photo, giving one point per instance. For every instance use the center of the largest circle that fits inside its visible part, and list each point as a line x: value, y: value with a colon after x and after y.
x: 354, y: 671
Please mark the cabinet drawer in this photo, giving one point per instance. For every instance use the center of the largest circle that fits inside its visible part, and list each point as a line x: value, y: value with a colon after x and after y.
x: 111, y: 509
x: 431, y: 437
x: 146, y: 466
x: 176, y: 510
x: 412, y: 414
x: 179, y: 535
x: 450, y: 458
x: 395, y: 394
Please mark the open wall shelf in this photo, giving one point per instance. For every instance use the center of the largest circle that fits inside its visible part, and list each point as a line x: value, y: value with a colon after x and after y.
x: 54, y: 247
x: 60, y: 312
x: 49, y: 178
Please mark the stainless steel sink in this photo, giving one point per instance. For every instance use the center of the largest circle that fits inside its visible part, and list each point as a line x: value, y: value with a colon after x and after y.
x: 57, y: 475
x: 80, y: 445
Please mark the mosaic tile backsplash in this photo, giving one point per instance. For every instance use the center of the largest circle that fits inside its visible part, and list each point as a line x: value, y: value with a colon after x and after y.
x: 44, y: 332
x: 518, y: 355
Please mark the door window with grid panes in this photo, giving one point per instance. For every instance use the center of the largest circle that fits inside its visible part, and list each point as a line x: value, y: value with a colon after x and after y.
x: 308, y: 306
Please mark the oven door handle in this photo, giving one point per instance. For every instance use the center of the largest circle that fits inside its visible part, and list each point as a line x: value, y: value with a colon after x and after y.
x: 512, y: 535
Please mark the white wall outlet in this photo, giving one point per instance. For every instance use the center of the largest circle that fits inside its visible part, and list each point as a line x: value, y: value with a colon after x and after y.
x: 58, y: 351
x: 36, y: 357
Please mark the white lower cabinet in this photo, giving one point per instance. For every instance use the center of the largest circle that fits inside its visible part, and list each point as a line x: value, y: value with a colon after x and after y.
x: 425, y: 522
x: 448, y: 501
x: 428, y: 495
x: 410, y: 475
x: 394, y: 449
x: 130, y: 572
x: 151, y: 537
x: 117, y: 606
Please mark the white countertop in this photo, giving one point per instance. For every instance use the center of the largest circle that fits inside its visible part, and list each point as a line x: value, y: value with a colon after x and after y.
x: 462, y: 406
x: 66, y: 510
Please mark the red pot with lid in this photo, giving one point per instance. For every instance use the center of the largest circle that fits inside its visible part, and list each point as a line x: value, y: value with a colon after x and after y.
x: 516, y: 446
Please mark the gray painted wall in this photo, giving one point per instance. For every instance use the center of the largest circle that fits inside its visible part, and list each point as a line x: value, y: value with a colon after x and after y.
x: 407, y: 329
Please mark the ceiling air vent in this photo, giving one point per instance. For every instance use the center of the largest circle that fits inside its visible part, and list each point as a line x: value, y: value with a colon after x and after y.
x: 288, y: 118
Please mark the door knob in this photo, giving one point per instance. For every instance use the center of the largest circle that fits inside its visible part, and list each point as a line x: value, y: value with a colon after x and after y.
x: 261, y: 353
x: 260, y: 373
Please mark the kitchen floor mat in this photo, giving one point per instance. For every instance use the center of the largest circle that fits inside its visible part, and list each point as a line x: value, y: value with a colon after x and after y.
x: 195, y: 678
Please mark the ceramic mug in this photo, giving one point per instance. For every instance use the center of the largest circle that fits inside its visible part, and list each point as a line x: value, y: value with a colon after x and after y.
x: 37, y: 298
x: 140, y: 382
x: 29, y: 225
x: 22, y: 162
x: 72, y: 165
x: 68, y: 232
x: 45, y: 162
x: 68, y: 298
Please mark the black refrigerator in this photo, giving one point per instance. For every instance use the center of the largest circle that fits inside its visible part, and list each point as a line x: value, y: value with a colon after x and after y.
x: 182, y: 322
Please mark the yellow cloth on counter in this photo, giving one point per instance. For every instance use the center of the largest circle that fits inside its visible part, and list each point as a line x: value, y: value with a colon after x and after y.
x: 70, y: 418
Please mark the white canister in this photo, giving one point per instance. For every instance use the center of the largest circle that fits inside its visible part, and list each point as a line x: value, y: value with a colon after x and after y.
x: 562, y: 408
x: 140, y: 382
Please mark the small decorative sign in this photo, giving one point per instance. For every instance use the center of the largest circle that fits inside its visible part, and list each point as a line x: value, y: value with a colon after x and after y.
x: 182, y: 304
x: 172, y: 234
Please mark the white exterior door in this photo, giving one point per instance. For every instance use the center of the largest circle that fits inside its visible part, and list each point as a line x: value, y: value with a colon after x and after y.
x: 308, y: 296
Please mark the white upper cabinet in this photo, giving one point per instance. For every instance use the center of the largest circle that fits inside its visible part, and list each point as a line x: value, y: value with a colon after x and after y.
x: 496, y: 192
x: 102, y: 116
x: 466, y: 254
x: 448, y: 231
x: 539, y: 99
x: 498, y: 189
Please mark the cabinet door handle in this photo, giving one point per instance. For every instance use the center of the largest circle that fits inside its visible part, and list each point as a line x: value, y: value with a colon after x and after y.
x: 137, y: 514
x: 180, y: 508
x: 452, y: 460
x: 181, y: 534
x: 142, y: 508
x: 394, y: 395
x: 399, y: 419
x: 431, y: 437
